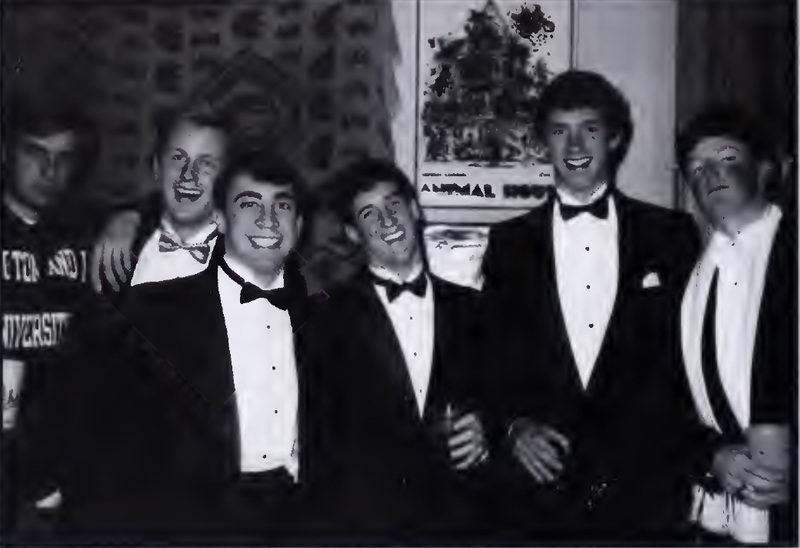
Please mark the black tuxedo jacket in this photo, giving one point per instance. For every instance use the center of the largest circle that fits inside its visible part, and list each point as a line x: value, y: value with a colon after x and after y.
x: 158, y: 423
x: 619, y: 476
x: 389, y: 474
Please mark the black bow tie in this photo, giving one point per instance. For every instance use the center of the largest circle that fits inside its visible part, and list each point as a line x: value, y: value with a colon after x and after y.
x: 279, y: 298
x: 394, y: 289
x: 598, y: 208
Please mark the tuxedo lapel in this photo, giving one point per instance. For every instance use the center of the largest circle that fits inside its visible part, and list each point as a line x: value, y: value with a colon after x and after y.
x: 201, y: 354
x: 629, y: 258
x: 383, y: 344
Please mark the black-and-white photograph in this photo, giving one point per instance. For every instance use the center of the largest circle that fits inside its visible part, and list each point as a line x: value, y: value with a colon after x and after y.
x: 399, y: 272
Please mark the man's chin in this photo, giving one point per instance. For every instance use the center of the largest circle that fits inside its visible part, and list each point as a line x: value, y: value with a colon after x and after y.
x: 189, y: 215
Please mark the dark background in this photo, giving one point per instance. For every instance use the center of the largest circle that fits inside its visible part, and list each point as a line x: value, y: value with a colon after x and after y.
x: 315, y: 75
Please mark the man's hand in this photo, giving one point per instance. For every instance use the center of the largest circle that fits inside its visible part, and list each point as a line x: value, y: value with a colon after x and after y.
x: 112, y: 260
x: 764, y: 488
x: 467, y: 442
x: 728, y: 467
x: 540, y: 449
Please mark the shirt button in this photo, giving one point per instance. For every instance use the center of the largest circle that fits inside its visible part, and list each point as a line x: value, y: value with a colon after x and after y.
x: 588, y: 286
x: 587, y: 249
x: 591, y: 325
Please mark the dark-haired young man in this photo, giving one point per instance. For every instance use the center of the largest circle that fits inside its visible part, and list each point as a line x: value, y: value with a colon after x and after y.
x: 45, y: 282
x: 582, y: 297
x: 402, y: 433
x: 199, y: 406
x: 739, y: 326
x: 173, y: 234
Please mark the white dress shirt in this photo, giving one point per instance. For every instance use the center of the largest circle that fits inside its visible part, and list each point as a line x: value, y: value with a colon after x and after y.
x: 586, y: 251
x: 413, y: 321
x: 261, y: 344
x: 742, y: 262
x: 157, y: 266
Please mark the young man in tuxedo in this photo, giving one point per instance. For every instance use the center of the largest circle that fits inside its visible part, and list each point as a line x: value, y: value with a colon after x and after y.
x: 582, y: 297
x: 739, y: 325
x: 403, y: 437
x: 173, y: 233
x: 198, y: 402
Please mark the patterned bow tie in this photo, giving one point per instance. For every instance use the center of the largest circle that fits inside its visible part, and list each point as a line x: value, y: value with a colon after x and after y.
x: 394, y: 289
x: 279, y: 298
x: 598, y: 208
x: 199, y: 252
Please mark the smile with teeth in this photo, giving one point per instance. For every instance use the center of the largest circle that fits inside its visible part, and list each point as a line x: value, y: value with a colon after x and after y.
x: 190, y: 192
x: 265, y: 242
x: 397, y: 236
x: 578, y: 163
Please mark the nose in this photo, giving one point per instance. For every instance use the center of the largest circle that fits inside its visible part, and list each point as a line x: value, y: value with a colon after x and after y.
x: 189, y: 171
x: 712, y: 175
x: 575, y: 140
x: 49, y: 167
x: 263, y: 221
x: 386, y: 218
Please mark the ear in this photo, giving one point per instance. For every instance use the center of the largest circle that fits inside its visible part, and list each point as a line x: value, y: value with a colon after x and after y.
x: 764, y: 172
x: 299, y: 223
x: 352, y: 234
x: 155, y: 165
x: 615, y: 141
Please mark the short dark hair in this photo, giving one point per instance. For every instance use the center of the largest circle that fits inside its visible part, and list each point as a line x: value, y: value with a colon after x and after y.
x: 360, y: 176
x: 169, y: 119
x: 262, y: 165
x: 576, y: 89
x: 23, y: 115
x: 721, y: 120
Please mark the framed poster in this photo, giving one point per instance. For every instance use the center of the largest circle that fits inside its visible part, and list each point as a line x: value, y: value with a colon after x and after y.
x: 481, y: 65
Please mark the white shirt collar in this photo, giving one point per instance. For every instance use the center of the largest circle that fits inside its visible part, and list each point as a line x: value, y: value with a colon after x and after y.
x: 750, y: 238
x: 198, y: 237
x: 568, y: 199
x: 391, y: 276
x: 249, y: 275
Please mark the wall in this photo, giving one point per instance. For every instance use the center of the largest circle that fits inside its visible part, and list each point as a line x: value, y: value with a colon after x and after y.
x: 128, y: 61
x: 632, y: 43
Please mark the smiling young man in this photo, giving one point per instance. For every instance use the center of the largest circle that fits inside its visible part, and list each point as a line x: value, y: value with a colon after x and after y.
x: 173, y: 234
x: 739, y: 326
x: 582, y: 296
x: 204, y: 391
x: 403, y: 435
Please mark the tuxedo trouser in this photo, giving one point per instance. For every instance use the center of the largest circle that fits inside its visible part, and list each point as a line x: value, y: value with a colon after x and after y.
x: 261, y: 507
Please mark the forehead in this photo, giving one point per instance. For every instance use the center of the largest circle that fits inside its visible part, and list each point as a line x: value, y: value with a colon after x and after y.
x: 196, y: 138
x: 575, y: 116
x: 717, y: 147
x: 54, y: 142
x: 268, y: 190
x: 376, y: 193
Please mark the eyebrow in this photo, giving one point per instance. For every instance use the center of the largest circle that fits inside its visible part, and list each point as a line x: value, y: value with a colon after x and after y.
x: 360, y: 211
x: 181, y: 151
x: 248, y: 193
